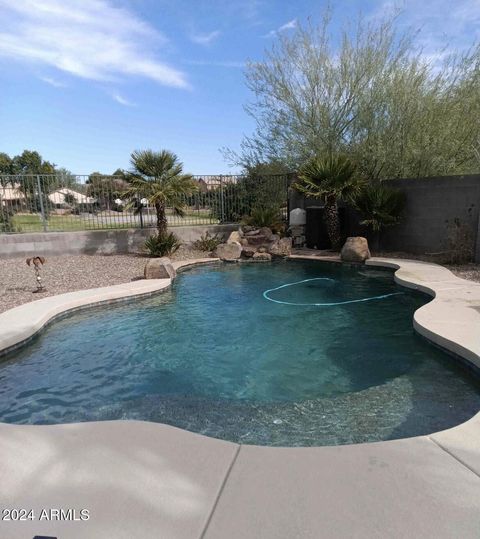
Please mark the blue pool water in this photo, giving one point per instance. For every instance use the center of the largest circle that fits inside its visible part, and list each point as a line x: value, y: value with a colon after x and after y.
x: 289, y: 353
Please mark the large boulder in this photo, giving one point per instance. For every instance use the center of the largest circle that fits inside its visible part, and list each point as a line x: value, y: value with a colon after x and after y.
x: 262, y: 257
x: 159, y: 268
x: 228, y: 251
x: 282, y: 247
x: 258, y: 239
x: 355, y: 250
x: 235, y: 237
x: 248, y: 251
x: 266, y: 232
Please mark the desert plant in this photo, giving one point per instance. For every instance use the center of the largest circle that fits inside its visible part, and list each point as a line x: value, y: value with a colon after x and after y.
x: 367, y: 89
x: 268, y: 216
x: 380, y: 207
x: 162, y: 244
x: 207, y: 242
x: 330, y: 179
x: 459, y: 242
x: 159, y: 177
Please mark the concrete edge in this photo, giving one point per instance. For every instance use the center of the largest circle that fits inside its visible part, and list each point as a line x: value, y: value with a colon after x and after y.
x: 21, y: 324
x: 432, y: 320
x: 452, y: 319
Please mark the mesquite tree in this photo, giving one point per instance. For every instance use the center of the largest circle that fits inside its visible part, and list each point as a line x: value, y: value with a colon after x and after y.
x: 371, y: 95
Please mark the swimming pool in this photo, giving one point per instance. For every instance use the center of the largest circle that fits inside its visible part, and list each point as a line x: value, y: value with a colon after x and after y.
x: 290, y: 353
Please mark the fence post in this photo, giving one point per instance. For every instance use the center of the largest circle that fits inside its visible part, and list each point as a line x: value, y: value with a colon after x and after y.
x: 42, y: 208
x: 222, y: 201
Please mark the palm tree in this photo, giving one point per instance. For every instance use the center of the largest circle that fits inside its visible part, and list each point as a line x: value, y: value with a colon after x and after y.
x: 330, y: 179
x: 159, y: 177
x: 380, y: 207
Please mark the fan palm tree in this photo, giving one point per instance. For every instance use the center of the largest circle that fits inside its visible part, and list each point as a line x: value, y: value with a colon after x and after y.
x: 380, y: 207
x: 159, y: 177
x: 330, y: 179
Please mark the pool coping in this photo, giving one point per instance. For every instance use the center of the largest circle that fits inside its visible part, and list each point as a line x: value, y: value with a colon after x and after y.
x: 203, y: 487
x: 22, y: 323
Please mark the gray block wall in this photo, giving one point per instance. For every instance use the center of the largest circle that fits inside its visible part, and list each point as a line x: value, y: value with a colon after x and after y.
x: 95, y: 241
x: 431, y: 203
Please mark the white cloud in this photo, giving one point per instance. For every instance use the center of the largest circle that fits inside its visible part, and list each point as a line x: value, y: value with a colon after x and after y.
x: 442, y: 25
x: 125, y: 102
x: 290, y: 25
x: 53, y: 82
x: 216, y: 63
x: 91, y: 39
x: 205, y: 39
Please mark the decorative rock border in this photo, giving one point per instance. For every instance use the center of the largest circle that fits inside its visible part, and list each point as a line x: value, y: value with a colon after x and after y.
x: 140, y: 479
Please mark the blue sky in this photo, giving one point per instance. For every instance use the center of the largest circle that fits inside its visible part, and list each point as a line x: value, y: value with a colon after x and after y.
x: 85, y: 82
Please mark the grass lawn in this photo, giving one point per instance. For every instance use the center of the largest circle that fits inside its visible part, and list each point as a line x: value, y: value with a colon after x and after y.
x: 69, y: 223
x: 33, y: 223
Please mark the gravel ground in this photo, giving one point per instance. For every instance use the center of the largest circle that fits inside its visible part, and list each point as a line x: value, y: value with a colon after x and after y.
x: 466, y: 271
x: 70, y: 272
x: 67, y: 273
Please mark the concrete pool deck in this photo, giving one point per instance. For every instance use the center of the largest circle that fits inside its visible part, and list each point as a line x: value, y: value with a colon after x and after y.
x: 148, y: 480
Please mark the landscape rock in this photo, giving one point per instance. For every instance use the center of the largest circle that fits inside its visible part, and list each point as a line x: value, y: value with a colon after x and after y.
x: 159, y: 268
x: 235, y: 237
x: 262, y: 257
x: 355, y: 250
x: 248, y: 251
x: 228, y: 251
x: 247, y: 228
x: 252, y: 232
x: 266, y: 232
x: 257, y: 239
x: 282, y: 247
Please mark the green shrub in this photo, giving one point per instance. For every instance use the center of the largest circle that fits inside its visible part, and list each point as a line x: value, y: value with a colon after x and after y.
x: 380, y: 206
x: 207, y: 242
x: 268, y: 216
x: 162, y: 244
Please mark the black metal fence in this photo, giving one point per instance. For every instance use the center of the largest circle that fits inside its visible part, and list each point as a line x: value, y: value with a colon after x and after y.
x: 59, y: 202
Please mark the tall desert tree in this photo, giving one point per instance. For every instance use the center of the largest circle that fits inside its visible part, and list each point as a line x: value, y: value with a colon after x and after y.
x: 330, y: 179
x: 369, y: 93
x: 159, y: 177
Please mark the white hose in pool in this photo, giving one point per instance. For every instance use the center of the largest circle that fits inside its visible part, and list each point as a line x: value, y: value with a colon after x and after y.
x: 331, y: 304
